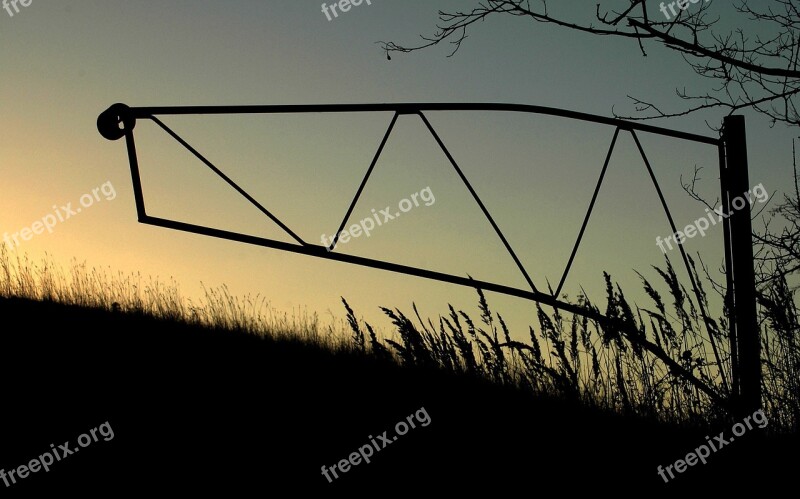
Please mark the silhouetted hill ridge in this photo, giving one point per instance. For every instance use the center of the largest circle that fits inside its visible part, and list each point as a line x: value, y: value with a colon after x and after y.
x: 195, y: 409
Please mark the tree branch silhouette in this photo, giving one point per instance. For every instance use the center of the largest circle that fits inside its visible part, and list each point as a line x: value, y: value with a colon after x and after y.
x: 760, y: 74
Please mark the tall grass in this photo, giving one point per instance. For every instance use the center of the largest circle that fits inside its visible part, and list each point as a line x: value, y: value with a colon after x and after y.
x: 653, y: 362
x: 781, y: 353
x: 218, y: 308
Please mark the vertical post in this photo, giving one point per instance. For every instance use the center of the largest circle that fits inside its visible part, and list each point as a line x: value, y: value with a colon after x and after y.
x: 748, y: 338
x: 729, y: 309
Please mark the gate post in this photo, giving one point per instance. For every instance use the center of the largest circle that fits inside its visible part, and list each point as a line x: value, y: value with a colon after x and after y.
x: 747, y: 342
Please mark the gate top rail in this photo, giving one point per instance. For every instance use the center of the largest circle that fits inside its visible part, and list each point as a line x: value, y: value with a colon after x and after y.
x: 416, y: 108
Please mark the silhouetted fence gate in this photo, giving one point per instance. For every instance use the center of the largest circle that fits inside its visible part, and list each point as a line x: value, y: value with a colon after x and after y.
x: 119, y: 121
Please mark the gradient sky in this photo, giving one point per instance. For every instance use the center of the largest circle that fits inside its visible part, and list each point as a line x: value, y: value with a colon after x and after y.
x: 62, y: 63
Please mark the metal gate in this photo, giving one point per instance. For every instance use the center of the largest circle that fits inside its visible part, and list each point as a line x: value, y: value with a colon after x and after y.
x: 744, y: 392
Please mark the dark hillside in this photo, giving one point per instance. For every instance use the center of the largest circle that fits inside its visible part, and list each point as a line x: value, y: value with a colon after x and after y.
x: 199, y: 410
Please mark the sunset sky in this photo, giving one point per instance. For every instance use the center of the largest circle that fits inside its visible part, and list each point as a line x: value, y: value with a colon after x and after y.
x: 64, y: 62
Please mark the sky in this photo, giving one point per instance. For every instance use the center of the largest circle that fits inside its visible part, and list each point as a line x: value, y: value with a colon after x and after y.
x: 62, y: 63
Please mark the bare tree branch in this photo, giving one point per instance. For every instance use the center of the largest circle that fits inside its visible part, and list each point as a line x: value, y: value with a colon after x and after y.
x: 760, y: 74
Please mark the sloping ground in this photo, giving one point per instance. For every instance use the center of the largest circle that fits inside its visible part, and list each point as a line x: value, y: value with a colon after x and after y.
x: 195, y: 410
